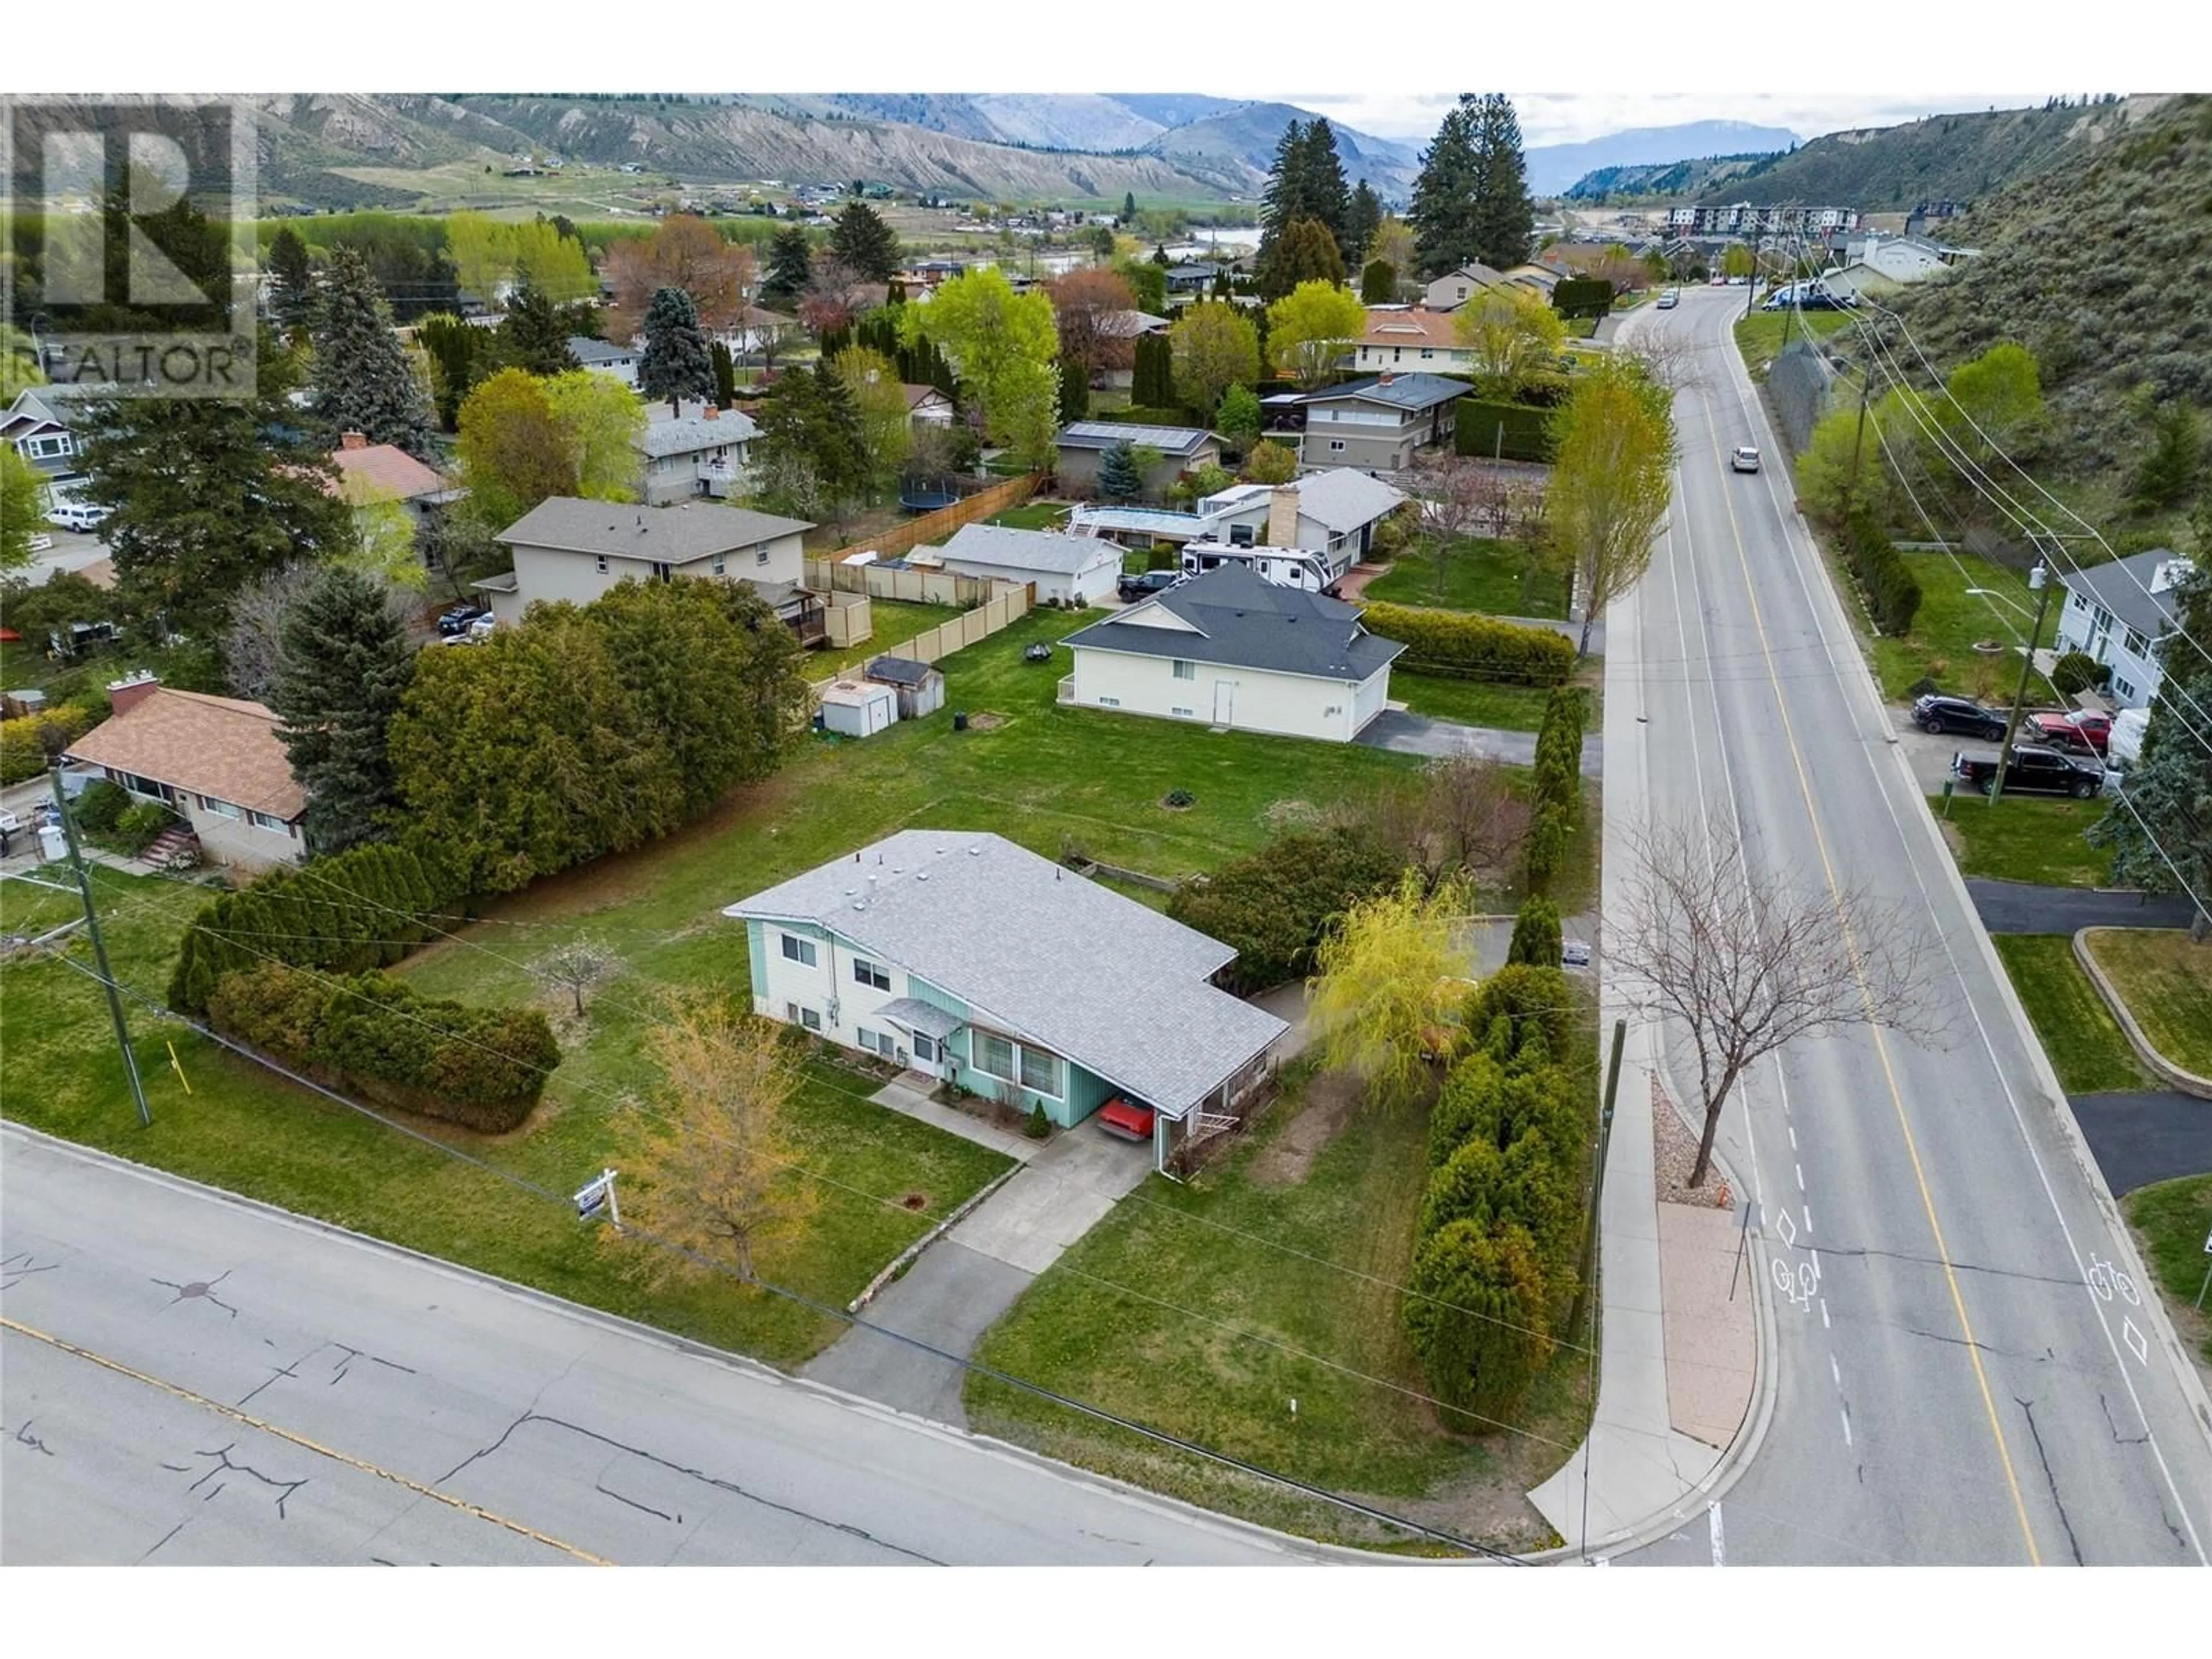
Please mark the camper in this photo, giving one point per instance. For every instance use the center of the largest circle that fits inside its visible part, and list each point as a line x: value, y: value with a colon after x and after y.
x: 1304, y: 568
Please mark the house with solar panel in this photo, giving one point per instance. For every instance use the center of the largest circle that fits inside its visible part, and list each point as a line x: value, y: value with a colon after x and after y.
x: 1181, y: 449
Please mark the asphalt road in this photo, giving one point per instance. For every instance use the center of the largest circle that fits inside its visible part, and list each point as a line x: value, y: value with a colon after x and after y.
x: 1966, y: 1371
x: 191, y: 1380
x: 2022, y: 907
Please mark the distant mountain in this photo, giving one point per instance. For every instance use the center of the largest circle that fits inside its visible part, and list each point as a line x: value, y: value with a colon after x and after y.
x: 1066, y: 120
x: 1554, y: 169
x: 1673, y: 181
x: 1172, y: 109
x: 1959, y: 157
x: 1246, y: 134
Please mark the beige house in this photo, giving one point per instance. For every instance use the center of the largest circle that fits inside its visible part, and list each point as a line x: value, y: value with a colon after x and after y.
x: 1377, y: 424
x: 1455, y: 288
x: 566, y: 548
x: 1411, y: 340
x: 216, y: 760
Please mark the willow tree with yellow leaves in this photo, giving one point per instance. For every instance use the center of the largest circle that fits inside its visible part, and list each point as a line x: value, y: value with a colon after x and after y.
x: 1386, y: 992
x: 1614, y: 448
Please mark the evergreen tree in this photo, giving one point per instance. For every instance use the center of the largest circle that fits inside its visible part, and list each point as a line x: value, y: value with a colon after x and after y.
x: 811, y: 456
x: 864, y: 241
x: 676, y: 364
x: 1160, y: 255
x: 1306, y: 253
x: 345, y: 666
x: 1074, y: 391
x: 790, y: 267
x: 1362, y: 218
x: 1378, y: 282
x: 1118, y: 477
x: 292, y: 285
x: 1502, y: 220
x: 1128, y: 206
x: 725, y: 375
x: 1284, y: 199
x: 459, y: 354
x: 1442, y: 212
x: 1326, y: 196
x: 534, y: 335
x: 364, y: 381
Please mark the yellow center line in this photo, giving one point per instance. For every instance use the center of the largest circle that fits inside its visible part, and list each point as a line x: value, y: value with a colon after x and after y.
x: 300, y: 1440
x: 1881, y: 1047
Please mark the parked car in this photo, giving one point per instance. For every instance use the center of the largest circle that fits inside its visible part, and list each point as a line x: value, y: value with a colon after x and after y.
x: 1964, y: 716
x: 1669, y: 299
x: 460, y: 619
x: 1744, y: 458
x: 78, y: 516
x: 2071, y: 728
x: 2034, y: 770
x: 1142, y: 586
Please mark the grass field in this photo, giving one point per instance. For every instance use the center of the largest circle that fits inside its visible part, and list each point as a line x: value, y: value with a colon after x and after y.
x: 1033, y: 516
x: 2174, y: 1219
x: 2167, y: 982
x: 1501, y: 579
x: 2086, y: 1047
x: 1759, y: 336
x: 894, y: 621
x: 1953, y: 617
x: 1471, y: 703
x: 1206, y: 1310
x: 2025, y: 838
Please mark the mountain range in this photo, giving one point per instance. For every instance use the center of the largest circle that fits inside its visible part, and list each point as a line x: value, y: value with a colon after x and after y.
x: 1557, y: 169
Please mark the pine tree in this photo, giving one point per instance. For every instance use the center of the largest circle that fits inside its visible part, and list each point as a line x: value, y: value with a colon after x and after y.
x: 864, y: 241
x: 1378, y: 282
x: 1362, y: 218
x: 1502, y: 222
x: 1130, y: 207
x: 363, y: 380
x: 346, y: 665
x: 725, y: 375
x: 1326, y: 197
x: 1284, y: 199
x: 292, y: 286
x: 790, y: 266
x: 1442, y: 212
x: 1306, y: 253
x: 1074, y: 391
x: 1118, y: 477
x: 676, y: 364
x: 534, y: 336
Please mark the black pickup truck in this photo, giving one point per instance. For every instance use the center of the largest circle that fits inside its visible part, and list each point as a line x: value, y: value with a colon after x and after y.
x: 2033, y: 771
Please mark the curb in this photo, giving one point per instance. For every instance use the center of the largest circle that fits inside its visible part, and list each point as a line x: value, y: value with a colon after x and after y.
x: 2187, y: 1083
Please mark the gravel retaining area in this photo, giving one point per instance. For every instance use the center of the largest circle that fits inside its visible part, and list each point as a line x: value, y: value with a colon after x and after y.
x: 1674, y: 1154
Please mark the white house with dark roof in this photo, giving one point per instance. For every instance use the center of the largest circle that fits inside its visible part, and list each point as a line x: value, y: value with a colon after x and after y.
x: 1227, y: 649
x: 1181, y: 449
x: 1065, y: 569
x: 2119, y: 613
x: 602, y: 357
x: 968, y: 959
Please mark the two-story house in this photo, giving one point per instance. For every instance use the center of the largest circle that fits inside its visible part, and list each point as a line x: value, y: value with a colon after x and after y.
x: 1377, y: 424
x: 1411, y: 340
x: 2119, y: 613
x: 1455, y: 288
x: 602, y: 357
x: 692, y: 449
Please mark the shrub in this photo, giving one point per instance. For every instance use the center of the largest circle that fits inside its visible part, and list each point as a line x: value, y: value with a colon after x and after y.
x: 1479, y: 647
x: 1467, y: 1102
x: 27, y: 744
x: 1518, y: 432
x: 1581, y: 296
x: 99, y: 806
x: 1535, y: 934
x: 1464, y: 1187
x: 137, y: 826
x: 1892, y: 592
x: 1178, y: 797
x: 2077, y: 672
x: 1545, y: 853
x: 1161, y: 557
x: 483, y: 1068
x: 1542, y: 998
x: 1039, y: 1125
x: 1273, y: 905
x: 1479, y: 1318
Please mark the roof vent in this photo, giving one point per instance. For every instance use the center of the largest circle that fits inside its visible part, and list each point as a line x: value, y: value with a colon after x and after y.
x: 974, y: 852
x: 921, y: 875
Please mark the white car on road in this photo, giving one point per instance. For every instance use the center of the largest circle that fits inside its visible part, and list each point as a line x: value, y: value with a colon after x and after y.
x: 1744, y: 458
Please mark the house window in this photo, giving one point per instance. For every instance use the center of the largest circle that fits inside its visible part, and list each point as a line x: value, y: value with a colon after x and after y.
x: 1185, y: 671
x: 222, y: 809
x: 1109, y: 702
x: 994, y: 1056
x: 269, y: 821
x: 925, y: 1047
x: 2137, y: 646
x: 603, y: 564
x: 47, y: 448
x: 662, y: 573
x: 718, y: 564
x: 1188, y: 713
x: 2102, y: 619
x: 1040, y: 1073
x: 791, y: 1012
x: 1336, y: 446
x: 877, y: 1043
x: 760, y: 555
x: 1426, y: 354
x: 866, y: 973
x: 797, y: 950
x: 810, y: 1019
x: 2122, y: 688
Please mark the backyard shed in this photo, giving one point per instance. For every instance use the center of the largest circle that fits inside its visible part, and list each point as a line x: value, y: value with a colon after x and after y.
x: 858, y: 709
x: 921, y: 688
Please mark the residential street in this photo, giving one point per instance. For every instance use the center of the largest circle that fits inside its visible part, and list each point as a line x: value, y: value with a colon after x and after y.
x: 192, y: 1380
x: 1969, y: 1369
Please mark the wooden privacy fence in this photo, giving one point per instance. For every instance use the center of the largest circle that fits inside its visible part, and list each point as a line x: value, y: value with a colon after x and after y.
x: 1009, y: 602
x: 931, y: 526
x: 915, y: 587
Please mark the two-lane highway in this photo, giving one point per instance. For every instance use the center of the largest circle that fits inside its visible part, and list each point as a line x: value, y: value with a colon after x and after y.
x: 1968, y: 1370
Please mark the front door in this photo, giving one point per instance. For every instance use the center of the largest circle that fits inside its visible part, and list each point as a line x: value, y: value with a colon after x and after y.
x: 1224, y: 701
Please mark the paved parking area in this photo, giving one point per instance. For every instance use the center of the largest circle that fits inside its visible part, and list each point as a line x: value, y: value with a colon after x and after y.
x: 2140, y: 1139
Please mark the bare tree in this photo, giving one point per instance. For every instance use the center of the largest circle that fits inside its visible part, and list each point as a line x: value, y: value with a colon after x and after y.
x: 1461, y: 816
x: 253, y: 648
x: 1750, y: 962
x: 577, y: 965
x: 1457, y: 496
x: 1670, y: 359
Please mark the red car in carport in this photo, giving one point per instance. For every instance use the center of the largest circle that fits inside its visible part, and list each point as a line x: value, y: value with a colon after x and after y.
x: 2074, y: 728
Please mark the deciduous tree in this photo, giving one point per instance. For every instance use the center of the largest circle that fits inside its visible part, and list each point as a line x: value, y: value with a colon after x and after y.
x: 1613, y: 450
x: 1374, y: 1008
x: 1512, y: 337
x: 995, y: 337
x: 1310, y: 328
x: 684, y: 251
x: 879, y: 403
x: 1271, y: 463
x: 1238, y: 417
x: 575, y: 966
x: 20, y: 487
x: 602, y: 425
x: 1089, y: 307
x: 1213, y: 347
x: 513, y: 450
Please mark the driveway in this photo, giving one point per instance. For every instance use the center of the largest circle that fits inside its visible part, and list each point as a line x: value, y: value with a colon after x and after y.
x: 2140, y: 1139
x: 2024, y: 907
x: 1403, y: 732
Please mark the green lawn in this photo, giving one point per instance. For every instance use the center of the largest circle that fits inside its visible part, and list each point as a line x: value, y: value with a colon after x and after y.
x: 2167, y: 982
x: 2025, y: 838
x: 2174, y: 1219
x: 2086, y: 1045
x: 1033, y: 516
x: 1159, y: 1315
x: 1470, y: 702
x: 1501, y: 579
x: 1759, y: 336
x: 894, y: 622
x: 1952, y: 619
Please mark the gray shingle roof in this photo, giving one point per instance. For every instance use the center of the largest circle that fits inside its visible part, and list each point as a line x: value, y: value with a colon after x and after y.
x: 693, y: 430
x: 900, y: 671
x: 587, y: 350
x: 1104, y: 434
x: 1004, y: 548
x: 1403, y: 392
x: 2122, y: 587
x: 1042, y: 952
x: 671, y: 535
x: 1345, y: 498
x: 1245, y: 622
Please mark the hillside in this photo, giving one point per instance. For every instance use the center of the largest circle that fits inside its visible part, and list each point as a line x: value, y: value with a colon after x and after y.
x: 1246, y: 137
x: 2098, y: 268
x: 1961, y: 157
x: 1555, y: 168
x: 1662, y: 181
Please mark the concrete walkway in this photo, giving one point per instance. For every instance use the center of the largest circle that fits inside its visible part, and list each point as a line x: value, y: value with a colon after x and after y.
x: 959, y: 1286
x: 912, y: 1102
x: 1403, y: 733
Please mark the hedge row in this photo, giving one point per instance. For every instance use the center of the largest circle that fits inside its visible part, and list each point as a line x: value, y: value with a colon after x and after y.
x: 1273, y: 905
x: 1518, y: 432
x: 1495, y: 1269
x: 359, y: 910
x: 1559, y: 784
x: 1481, y: 647
x: 483, y: 1068
x: 27, y: 743
x: 1892, y: 590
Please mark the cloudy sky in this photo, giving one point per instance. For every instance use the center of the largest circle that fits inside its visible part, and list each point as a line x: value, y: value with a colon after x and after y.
x: 1570, y: 118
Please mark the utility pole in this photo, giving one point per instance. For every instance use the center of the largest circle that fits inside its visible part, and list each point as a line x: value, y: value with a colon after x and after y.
x: 1597, y: 1180
x: 1858, y: 439
x: 100, y: 949
x: 2038, y: 579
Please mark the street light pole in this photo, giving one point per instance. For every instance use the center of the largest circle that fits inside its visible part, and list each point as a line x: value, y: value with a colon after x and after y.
x: 2038, y: 579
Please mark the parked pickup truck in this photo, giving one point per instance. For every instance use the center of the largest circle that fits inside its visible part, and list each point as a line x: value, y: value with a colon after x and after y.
x: 1133, y: 588
x: 2034, y: 770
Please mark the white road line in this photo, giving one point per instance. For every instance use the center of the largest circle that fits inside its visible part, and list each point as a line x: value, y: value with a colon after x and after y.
x: 1824, y: 1313
x: 1835, y: 1370
x: 1720, y: 1546
x: 1809, y: 1220
x: 1793, y: 1137
x: 1844, y: 1412
x: 1799, y: 1169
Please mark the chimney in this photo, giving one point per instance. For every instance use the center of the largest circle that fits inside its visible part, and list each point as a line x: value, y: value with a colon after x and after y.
x: 132, y: 690
x: 1283, y: 516
x: 354, y: 441
x: 710, y: 413
x: 1385, y: 378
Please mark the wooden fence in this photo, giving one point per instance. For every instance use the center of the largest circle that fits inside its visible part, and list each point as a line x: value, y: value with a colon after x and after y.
x: 931, y: 526
x: 915, y: 587
x: 1009, y: 602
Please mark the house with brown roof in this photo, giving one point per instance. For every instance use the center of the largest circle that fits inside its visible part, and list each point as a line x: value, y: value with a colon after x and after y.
x: 926, y: 406
x: 369, y: 473
x: 1411, y: 340
x: 216, y: 762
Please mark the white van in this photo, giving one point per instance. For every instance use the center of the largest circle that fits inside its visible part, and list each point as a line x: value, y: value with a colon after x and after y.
x: 78, y: 516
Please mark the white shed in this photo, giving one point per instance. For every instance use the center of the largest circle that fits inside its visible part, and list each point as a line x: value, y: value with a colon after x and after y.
x: 858, y: 709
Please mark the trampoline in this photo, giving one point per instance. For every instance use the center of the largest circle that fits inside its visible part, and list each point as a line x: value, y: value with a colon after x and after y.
x: 924, y: 498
